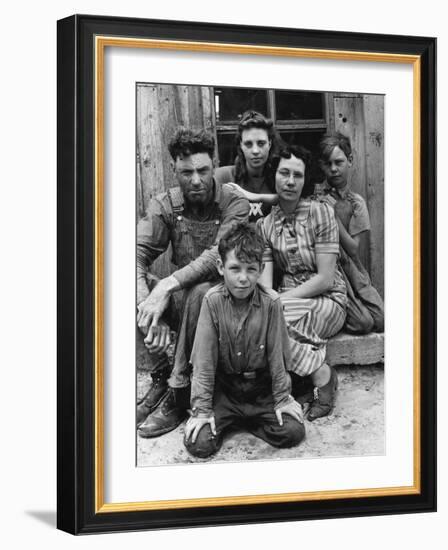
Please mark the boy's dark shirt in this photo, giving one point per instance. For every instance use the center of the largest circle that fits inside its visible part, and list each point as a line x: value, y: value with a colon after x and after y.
x: 259, y: 340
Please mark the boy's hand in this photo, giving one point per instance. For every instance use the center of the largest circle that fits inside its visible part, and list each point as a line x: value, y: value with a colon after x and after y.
x: 194, y: 425
x: 293, y: 408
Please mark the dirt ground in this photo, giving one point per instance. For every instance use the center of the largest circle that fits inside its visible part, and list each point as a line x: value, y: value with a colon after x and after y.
x: 355, y: 428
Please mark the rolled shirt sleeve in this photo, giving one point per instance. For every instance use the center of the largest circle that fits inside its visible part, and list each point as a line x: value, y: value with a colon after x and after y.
x: 360, y: 220
x: 326, y: 229
x: 153, y: 237
x: 267, y: 252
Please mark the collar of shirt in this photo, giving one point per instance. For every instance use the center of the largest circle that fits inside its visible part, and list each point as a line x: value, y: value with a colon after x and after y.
x: 300, y: 215
x: 254, y: 299
x: 337, y: 193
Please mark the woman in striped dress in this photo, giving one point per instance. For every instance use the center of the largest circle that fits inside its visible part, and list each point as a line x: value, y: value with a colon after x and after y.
x: 302, y: 241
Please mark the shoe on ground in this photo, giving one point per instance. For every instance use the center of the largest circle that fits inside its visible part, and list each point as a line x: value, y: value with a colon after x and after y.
x: 165, y: 418
x: 153, y: 396
x: 324, y: 398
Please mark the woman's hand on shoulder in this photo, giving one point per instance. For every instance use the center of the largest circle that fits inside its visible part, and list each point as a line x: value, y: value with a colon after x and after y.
x: 254, y: 197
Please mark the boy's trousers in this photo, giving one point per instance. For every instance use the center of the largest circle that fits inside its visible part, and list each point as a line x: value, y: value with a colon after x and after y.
x: 246, y: 403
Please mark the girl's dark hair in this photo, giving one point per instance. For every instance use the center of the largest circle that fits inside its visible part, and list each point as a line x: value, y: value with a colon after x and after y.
x: 249, y: 120
x: 245, y: 241
x: 332, y: 140
x: 288, y: 151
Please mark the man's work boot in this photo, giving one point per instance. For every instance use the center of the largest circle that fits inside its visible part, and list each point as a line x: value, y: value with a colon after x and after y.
x: 167, y: 416
x: 153, y: 396
x: 324, y: 398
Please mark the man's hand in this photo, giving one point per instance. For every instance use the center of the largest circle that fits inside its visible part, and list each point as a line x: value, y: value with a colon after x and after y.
x: 151, y: 309
x: 158, y: 338
x: 292, y: 408
x: 194, y: 425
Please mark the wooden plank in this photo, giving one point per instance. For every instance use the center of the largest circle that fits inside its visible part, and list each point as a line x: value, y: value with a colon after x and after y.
x: 208, y: 116
x: 329, y: 111
x: 349, y: 120
x: 195, y: 111
x: 169, y: 123
x: 181, y: 105
x: 374, y: 121
x: 140, y: 202
x: 149, y: 146
x: 207, y: 108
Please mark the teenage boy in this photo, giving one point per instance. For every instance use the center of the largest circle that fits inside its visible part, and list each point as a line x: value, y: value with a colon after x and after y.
x: 240, y: 355
x: 365, y: 308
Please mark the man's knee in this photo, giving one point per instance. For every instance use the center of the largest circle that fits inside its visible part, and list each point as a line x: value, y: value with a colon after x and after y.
x: 206, y: 443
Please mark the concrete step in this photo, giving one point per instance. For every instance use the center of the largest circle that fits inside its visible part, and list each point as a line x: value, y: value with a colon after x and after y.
x: 342, y: 349
x: 348, y: 349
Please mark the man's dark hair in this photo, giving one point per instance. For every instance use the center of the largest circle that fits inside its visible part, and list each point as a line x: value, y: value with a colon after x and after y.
x: 245, y: 241
x: 332, y: 140
x: 186, y: 142
x: 304, y: 155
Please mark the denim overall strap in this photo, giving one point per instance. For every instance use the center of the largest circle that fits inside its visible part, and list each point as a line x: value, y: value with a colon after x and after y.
x: 189, y: 238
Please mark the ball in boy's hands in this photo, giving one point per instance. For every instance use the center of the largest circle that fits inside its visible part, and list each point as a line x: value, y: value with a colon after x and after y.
x: 195, y: 424
x: 293, y: 408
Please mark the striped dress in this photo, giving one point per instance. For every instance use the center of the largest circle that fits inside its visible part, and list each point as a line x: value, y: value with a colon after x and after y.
x: 292, y: 242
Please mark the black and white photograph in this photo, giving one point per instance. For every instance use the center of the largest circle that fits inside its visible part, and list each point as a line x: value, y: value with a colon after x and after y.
x: 259, y: 274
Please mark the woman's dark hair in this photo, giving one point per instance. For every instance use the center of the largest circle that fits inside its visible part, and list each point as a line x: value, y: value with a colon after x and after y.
x: 249, y: 120
x: 332, y: 140
x: 288, y: 151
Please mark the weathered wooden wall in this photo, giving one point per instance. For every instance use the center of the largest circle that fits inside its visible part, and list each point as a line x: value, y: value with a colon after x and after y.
x: 162, y: 108
x: 361, y: 118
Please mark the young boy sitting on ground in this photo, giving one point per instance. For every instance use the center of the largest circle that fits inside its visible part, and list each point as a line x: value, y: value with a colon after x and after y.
x: 240, y: 355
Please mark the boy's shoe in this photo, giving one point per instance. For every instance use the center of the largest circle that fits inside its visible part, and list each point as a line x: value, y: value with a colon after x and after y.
x: 167, y: 416
x: 153, y: 396
x: 324, y: 398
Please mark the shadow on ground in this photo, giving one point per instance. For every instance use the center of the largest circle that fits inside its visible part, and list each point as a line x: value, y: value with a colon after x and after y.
x: 356, y: 428
x: 44, y: 516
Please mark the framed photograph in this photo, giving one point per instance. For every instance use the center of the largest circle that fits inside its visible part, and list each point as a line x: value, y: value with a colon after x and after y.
x: 169, y: 135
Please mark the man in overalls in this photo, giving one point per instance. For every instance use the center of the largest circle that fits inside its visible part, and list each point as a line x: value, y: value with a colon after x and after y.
x: 192, y: 217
